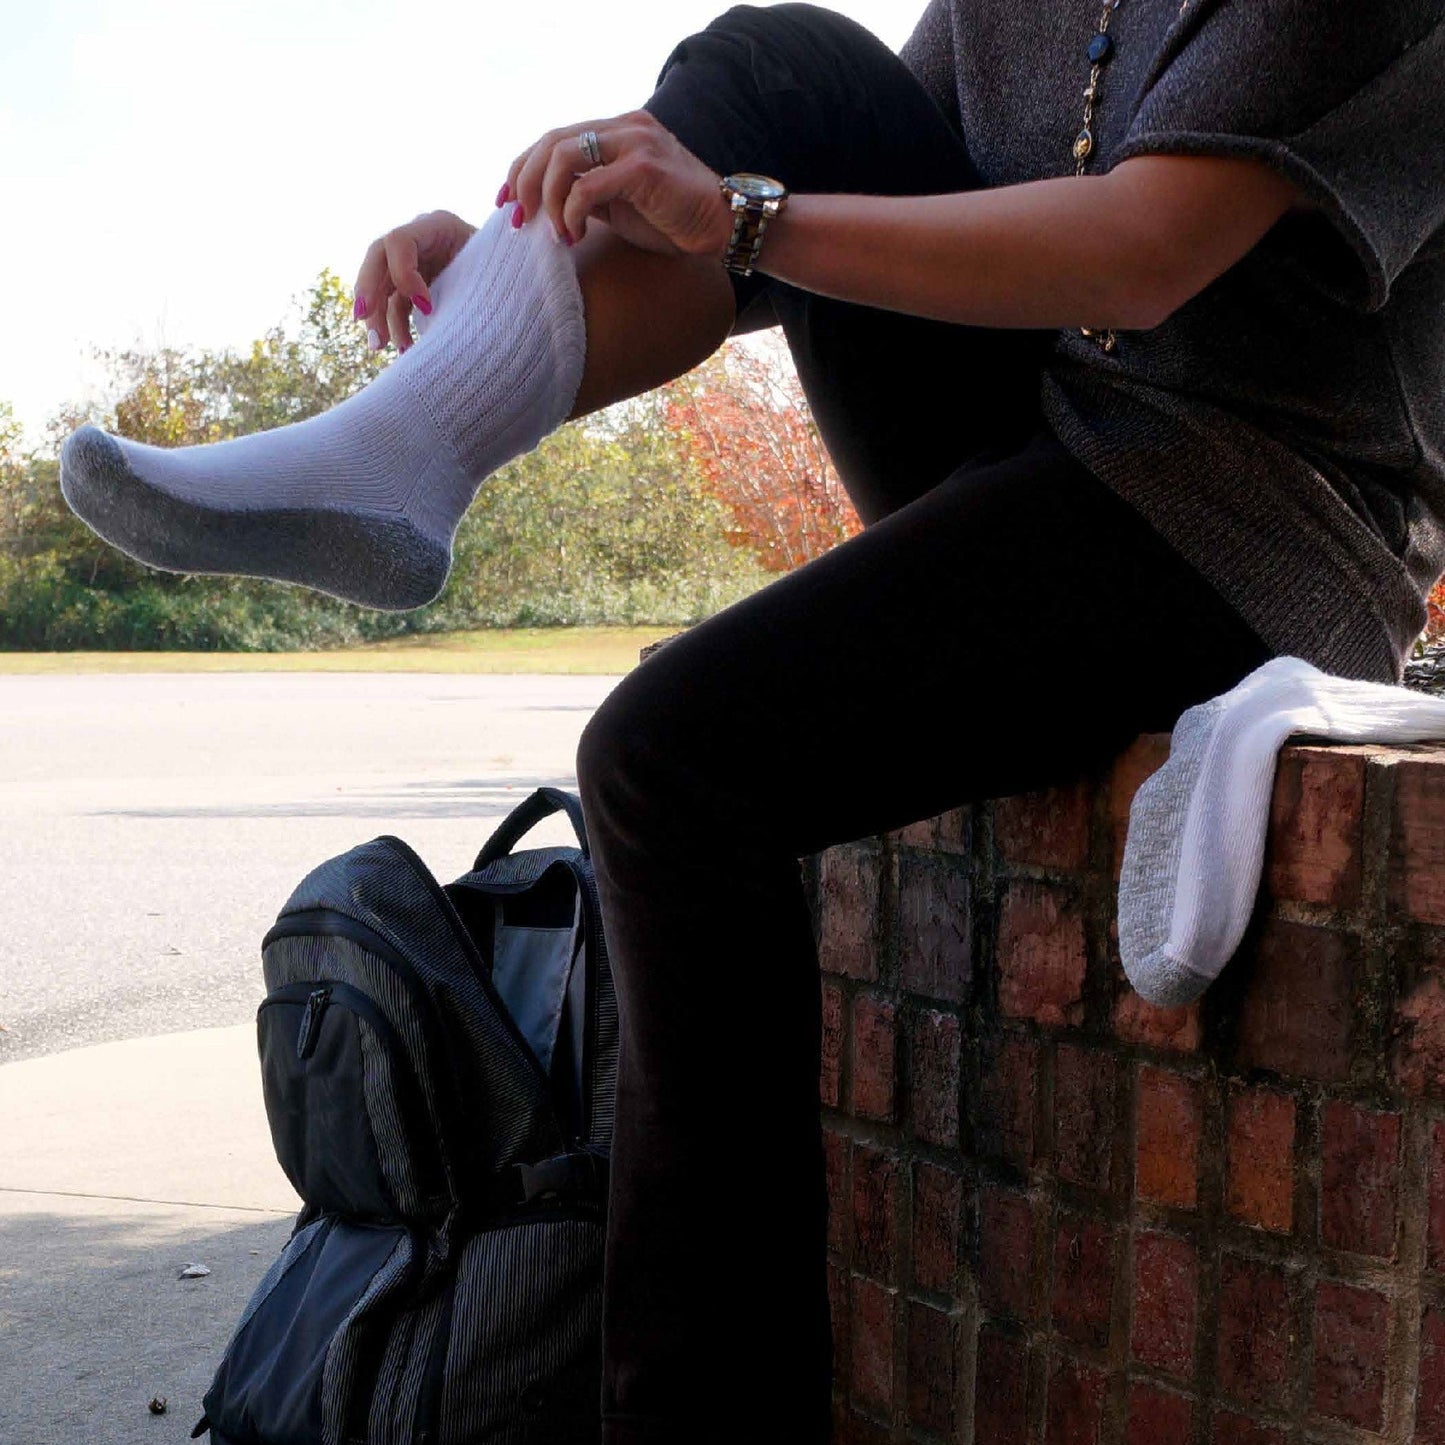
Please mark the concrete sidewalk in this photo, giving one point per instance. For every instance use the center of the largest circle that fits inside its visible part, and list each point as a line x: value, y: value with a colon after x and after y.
x: 121, y: 1165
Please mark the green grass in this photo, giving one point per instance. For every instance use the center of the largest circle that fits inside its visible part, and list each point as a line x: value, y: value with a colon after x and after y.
x: 579, y: 650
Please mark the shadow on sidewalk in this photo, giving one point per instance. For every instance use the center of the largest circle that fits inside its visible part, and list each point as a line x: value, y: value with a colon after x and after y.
x: 95, y: 1321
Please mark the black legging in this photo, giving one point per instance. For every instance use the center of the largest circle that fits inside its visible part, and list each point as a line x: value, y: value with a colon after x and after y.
x: 1003, y: 623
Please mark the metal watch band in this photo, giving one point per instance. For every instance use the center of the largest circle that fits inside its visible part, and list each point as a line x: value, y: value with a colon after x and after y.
x: 750, y: 223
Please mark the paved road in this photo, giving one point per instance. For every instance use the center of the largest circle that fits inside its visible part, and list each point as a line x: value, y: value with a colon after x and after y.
x: 150, y: 827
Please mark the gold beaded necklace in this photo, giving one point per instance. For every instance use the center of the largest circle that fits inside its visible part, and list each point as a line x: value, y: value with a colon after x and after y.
x: 1101, y: 51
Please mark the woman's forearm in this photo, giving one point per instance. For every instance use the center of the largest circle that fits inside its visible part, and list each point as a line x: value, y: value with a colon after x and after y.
x: 1121, y: 250
x: 1033, y: 255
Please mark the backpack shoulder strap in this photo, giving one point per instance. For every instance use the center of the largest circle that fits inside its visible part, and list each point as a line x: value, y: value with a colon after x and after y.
x: 525, y: 816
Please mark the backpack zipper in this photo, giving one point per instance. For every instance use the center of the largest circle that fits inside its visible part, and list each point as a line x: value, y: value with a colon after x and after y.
x: 309, y: 1030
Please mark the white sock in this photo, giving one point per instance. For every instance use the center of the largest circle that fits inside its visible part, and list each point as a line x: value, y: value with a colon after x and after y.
x: 1197, y: 828
x: 363, y: 501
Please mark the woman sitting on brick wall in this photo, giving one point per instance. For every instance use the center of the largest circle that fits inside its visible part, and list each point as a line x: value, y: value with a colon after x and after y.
x: 1125, y: 312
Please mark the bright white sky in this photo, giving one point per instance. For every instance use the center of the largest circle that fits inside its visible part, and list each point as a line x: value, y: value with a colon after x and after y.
x: 179, y: 170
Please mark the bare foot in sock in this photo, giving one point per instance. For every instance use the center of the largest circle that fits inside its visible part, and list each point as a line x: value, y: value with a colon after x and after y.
x: 363, y: 501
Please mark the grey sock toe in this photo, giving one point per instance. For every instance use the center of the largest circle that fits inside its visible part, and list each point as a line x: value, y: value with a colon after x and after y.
x: 1165, y: 981
x: 375, y: 559
x: 1149, y: 877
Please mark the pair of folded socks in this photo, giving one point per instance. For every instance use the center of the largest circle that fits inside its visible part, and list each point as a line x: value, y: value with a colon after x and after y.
x: 1197, y: 828
x: 363, y: 501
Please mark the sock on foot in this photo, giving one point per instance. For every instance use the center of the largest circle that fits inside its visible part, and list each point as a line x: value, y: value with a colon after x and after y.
x: 1197, y: 827
x: 363, y: 501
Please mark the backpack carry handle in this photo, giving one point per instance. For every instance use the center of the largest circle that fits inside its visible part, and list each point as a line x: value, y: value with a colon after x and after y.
x: 542, y: 804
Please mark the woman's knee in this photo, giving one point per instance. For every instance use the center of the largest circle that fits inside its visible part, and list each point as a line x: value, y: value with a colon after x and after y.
x: 776, y: 48
x: 652, y: 760
x: 811, y: 97
x: 618, y: 755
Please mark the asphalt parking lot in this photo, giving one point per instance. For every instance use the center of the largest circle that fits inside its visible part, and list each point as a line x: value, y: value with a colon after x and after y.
x: 151, y: 827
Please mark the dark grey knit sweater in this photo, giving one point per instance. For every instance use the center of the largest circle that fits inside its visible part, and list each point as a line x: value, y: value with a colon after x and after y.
x: 1285, y: 429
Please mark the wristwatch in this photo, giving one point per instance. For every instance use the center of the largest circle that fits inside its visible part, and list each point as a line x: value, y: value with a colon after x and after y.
x: 755, y: 200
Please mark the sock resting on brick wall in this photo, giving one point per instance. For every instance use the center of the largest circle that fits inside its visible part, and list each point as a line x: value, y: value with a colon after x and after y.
x: 1197, y: 827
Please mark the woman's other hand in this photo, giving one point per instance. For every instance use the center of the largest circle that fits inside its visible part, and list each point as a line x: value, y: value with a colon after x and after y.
x: 649, y: 188
x: 397, y: 274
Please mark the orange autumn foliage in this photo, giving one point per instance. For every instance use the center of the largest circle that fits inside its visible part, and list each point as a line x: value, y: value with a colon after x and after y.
x: 745, y: 420
x: 1435, y: 626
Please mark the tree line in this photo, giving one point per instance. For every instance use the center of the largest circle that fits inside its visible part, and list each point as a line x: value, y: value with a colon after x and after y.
x: 661, y: 510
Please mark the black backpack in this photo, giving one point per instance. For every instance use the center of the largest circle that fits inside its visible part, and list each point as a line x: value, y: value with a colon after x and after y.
x: 439, y: 1067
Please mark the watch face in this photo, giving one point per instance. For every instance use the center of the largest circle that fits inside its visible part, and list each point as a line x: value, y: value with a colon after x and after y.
x: 757, y: 188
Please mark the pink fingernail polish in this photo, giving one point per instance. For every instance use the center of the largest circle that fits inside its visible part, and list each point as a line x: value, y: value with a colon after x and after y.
x: 505, y: 194
x: 359, y: 310
x: 519, y: 217
x: 421, y: 304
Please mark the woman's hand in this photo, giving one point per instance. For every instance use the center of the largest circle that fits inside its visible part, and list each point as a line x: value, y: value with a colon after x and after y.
x: 649, y: 188
x: 398, y: 270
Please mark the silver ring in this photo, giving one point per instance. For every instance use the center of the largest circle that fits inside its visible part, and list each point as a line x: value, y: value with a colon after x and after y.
x: 590, y: 146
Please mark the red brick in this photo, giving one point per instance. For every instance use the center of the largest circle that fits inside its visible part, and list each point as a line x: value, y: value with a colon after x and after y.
x: 1083, y: 1281
x: 935, y: 927
x: 872, y: 1342
x: 1000, y: 1390
x: 1417, y: 848
x: 1351, y: 1334
x: 1435, y: 1237
x: 1419, y: 1056
x: 841, y: 1317
x: 1049, y: 828
x: 1144, y: 756
x: 1085, y: 1085
x: 835, y: 1014
x: 849, y: 880
x: 916, y: 835
x: 876, y: 1179
x: 875, y: 1059
x: 955, y: 831
x: 1076, y: 1405
x: 1136, y: 1021
x: 932, y: 1369
x: 934, y: 1086
x: 1360, y: 1151
x: 1005, y: 1252
x: 1430, y: 1401
x: 1297, y: 1015
x: 1261, y: 1159
x: 1254, y: 1330
x: 1168, y: 1119
x: 1158, y: 1417
x: 937, y: 1212
x: 1005, y: 1121
x: 1231, y: 1429
x: 1042, y: 955
x: 1315, y: 835
x: 1166, y: 1292
x: 840, y: 1210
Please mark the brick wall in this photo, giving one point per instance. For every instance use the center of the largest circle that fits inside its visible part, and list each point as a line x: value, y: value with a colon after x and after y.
x: 1061, y: 1216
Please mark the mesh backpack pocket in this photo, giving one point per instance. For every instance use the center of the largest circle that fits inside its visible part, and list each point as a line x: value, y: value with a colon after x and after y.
x: 292, y: 1367
x: 337, y: 1083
